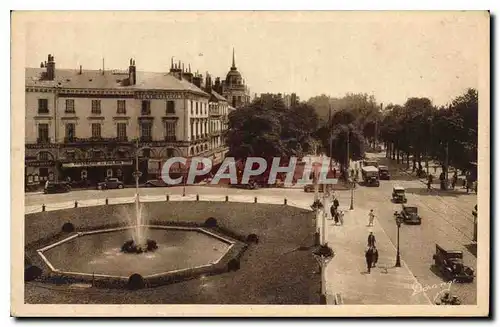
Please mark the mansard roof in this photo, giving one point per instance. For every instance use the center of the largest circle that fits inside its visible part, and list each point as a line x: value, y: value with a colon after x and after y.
x: 116, y: 80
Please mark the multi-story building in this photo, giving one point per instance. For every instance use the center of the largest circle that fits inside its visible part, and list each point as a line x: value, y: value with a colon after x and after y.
x: 233, y: 88
x: 90, y: 124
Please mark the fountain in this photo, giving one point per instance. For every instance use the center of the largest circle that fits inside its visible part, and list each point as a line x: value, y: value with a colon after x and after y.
x: 139, y: 243
x: 165, y: 253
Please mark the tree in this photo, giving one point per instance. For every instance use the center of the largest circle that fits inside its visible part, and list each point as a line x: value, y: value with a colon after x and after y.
x: 266, y: 128
x: 343, y: 136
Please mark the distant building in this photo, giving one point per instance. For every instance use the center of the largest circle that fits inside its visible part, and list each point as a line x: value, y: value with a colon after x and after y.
x: 233, y: 88
x: 289, y: 100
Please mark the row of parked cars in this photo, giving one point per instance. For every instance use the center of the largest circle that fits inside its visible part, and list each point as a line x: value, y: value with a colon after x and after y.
x: 107, y: 184
x: 447, y: 260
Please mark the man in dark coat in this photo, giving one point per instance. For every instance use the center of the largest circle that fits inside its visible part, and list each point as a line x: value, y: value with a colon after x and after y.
x: 336, y: 203
x: 333, y: 211
x: 371, y: 240
x: 369, y: 258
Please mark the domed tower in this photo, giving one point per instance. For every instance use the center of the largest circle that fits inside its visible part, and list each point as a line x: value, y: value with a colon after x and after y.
x: 234, y: 88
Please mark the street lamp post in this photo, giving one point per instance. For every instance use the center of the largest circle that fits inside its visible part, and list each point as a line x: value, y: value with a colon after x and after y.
x: 351, y: 207
x: 398, y: 256
x: 474, y: 214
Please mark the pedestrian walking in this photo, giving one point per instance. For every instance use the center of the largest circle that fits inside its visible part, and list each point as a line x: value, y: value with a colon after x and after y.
x: 454, y: 180
x: 369, y: 258
x: 336, y: 203
x: 333, y: 211
x: 371, y: 217
x: 429, y: 182
x: 371, y: 240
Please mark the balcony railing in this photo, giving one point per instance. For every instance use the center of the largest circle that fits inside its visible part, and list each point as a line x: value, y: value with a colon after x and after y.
x: 170, y: 138
x: 43, y: 140
x: 94, y: 139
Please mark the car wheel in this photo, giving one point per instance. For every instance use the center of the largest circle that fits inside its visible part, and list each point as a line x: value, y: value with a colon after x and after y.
x: 120, y: 186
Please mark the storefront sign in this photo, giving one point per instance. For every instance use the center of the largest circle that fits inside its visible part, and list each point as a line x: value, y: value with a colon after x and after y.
x: 157, y: 95
x: 97, y: 163
x: 39, y: 163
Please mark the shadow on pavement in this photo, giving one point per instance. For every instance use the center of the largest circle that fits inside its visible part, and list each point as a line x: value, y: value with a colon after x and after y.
x: 433, y: 192
x: 472, y: 248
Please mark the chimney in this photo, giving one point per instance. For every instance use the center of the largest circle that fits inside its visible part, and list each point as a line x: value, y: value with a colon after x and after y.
x: 80, y: 70
x: 51, y: 68
x: 132, y: 78
x: 197, y: 80
x: 41, y: 65
x: 217, y: 85
x: 208, y: 83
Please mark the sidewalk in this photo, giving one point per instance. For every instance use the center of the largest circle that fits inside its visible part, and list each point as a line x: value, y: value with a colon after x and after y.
x: 346, y: 273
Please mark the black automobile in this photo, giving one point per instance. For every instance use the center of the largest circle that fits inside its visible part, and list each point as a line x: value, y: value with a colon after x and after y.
x: 451, y: 265
x: 383, y: 172
x: 410, y: 215
x: 110, y: 183
x: 57, y: 187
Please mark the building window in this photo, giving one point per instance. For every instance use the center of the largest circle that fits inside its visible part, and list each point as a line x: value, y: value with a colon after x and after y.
x: 43, y: 156
x: 70, y: 106
x: 96, y: 130
x: 70, y: 131
x: 196, y: 104
x: 170, y: 107
x: 146, y: 153
x: 234, y: 102
x: 43, y: 133
x: 146, y: 108
x: 192, y: 107
x: 43, y: 106
x: 121, y: 107
x: 146, y: 131
x: 96, y: 106
x: 121, y: 131
x: 170, y: 153
x: 205, y: 108
x: 170, y: 130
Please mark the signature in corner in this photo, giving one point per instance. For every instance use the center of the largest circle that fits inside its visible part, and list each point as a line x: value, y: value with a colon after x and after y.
x: 419, y: 288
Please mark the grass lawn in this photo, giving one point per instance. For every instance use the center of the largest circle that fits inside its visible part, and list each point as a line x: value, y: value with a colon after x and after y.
x: 272, y: 271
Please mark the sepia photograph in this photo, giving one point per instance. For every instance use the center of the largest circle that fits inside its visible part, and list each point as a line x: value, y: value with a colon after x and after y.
x: 250, y: 163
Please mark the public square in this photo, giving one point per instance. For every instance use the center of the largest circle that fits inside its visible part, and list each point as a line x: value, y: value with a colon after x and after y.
x: 446, y: 219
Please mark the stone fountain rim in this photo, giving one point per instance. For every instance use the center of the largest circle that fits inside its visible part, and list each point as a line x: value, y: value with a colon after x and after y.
x: 116, y: 229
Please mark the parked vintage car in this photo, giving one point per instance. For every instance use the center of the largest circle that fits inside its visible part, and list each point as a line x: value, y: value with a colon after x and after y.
x: 450, y: 264
x: 398, y: 194
x: 110, y: 183
x: 409, y: 215
x: 383, y: 172
x: 57, y: 187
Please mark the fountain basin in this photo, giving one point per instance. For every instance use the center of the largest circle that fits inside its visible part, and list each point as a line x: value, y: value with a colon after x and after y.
x: 182, y: 252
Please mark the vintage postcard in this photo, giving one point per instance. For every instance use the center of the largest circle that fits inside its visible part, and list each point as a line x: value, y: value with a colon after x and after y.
x: 260, y: 163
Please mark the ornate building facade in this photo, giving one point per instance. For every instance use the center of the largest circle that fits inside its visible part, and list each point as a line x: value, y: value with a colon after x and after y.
x: 87, y: 125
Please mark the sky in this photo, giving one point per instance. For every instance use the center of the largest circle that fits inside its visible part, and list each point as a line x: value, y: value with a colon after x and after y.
x: 392, y: 56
